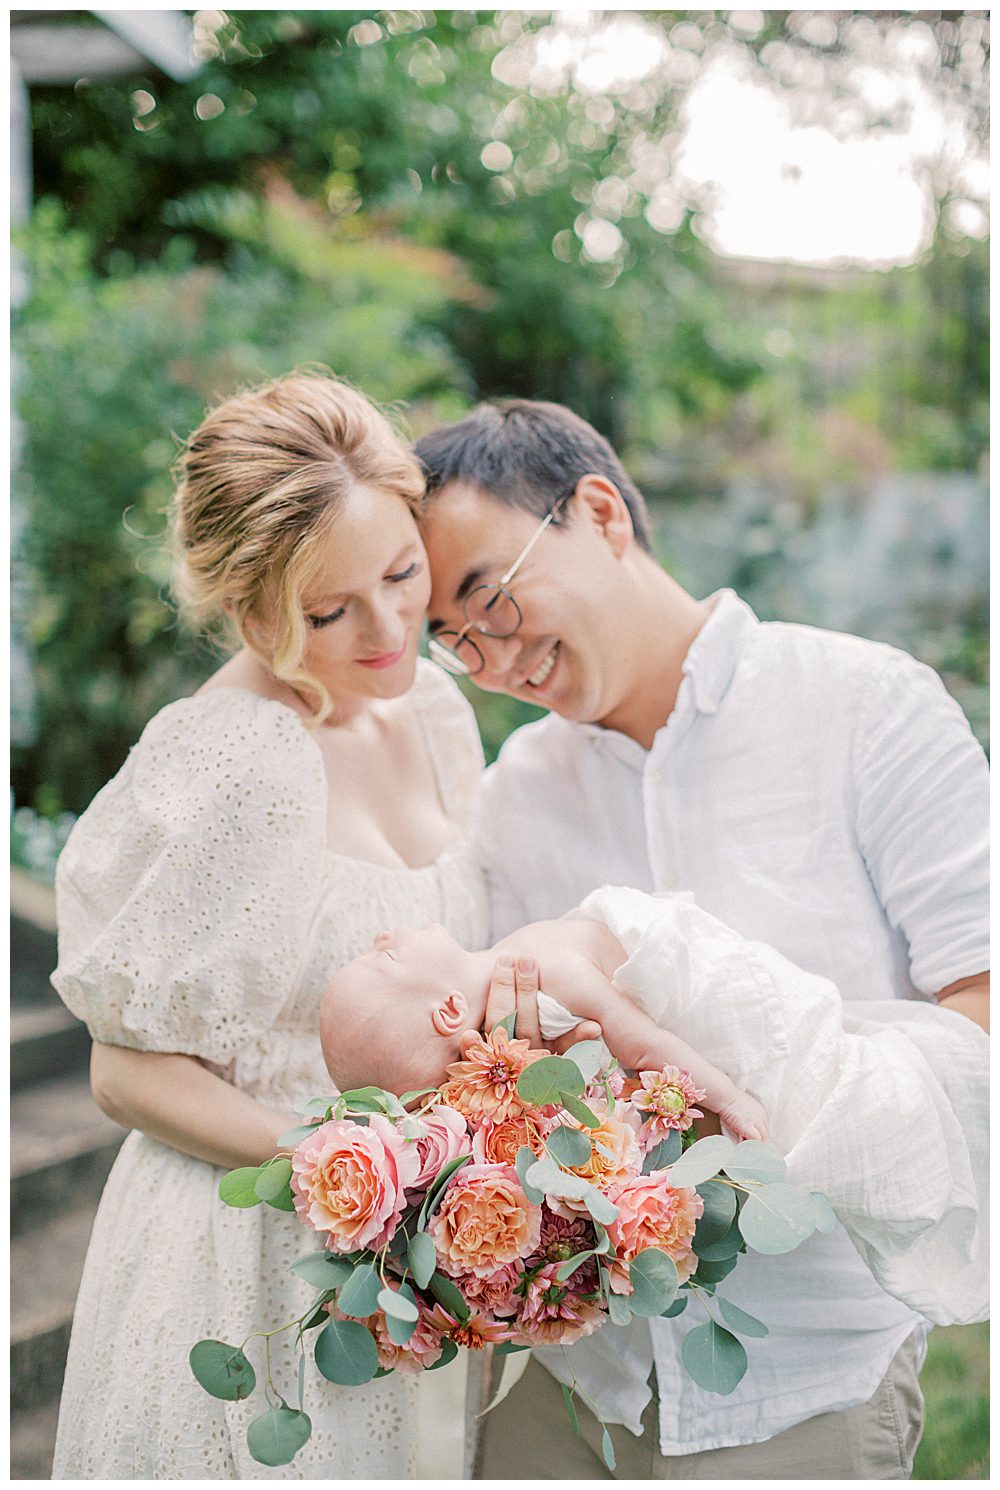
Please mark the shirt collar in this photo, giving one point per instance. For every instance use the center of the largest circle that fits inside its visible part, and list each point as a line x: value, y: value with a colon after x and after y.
x: 714, y: 654
x: 708, y: 670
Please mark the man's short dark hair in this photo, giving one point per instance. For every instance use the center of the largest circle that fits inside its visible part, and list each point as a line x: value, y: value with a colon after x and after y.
x: 527, y: 454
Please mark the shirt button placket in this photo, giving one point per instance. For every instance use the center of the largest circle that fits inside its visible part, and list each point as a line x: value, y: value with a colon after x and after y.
x: 656, y: 787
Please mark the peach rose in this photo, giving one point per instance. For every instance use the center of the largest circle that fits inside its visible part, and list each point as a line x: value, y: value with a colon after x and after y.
x: 348, y: 1181
x: 494, y: 1294
x: 483, y: 1221
x: 447, y: 1138
x: 651, y: 1214
x: 498, y: 1142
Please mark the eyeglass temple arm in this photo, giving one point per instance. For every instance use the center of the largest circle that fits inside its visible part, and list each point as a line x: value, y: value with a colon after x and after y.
x: 505, y: 579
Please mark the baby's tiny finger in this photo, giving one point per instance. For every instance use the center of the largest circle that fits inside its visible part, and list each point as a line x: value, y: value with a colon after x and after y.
x: 588, y: 1030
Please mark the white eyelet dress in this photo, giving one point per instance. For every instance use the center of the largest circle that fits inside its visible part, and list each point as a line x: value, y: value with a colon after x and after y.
x: 200, y: 911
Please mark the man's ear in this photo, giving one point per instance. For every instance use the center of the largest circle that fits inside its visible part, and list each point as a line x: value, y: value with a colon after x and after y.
x: 599, y: 500
x: 450, y: 1014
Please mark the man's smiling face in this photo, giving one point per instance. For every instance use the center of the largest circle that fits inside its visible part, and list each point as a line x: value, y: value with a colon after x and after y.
x: 567, y: 653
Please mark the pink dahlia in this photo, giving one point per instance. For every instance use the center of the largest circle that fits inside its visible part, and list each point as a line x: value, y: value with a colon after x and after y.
x: 669, y: 1096
x: 555, y: 1312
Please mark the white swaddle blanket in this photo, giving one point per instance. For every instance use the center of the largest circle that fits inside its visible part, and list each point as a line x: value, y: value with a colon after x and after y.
x: 881, y: 1105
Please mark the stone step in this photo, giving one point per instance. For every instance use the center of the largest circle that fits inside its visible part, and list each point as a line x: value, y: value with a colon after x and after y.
x: 62, y: 1148
x: 45, y: 1040
x: 32, y: 1439
x: 45, y: 1269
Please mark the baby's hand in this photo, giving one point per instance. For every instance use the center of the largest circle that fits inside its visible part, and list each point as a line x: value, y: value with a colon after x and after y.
x: 745, y: 1116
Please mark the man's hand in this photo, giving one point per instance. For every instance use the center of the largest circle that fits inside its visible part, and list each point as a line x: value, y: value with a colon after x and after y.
x: 969, y: 996
x: 514, y: 986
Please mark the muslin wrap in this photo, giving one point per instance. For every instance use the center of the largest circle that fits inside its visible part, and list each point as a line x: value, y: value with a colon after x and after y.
x: 881, y: 1104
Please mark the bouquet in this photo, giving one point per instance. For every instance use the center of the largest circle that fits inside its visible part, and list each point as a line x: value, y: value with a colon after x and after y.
x: 527, y: 1201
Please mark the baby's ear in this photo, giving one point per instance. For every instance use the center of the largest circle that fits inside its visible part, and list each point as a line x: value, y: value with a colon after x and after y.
x: 450, y: 1014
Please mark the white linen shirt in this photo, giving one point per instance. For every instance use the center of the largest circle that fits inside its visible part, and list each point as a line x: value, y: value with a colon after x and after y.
x: 816, y: 792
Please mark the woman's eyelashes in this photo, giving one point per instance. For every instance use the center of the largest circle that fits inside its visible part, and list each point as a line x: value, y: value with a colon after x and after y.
x: 410, y: 572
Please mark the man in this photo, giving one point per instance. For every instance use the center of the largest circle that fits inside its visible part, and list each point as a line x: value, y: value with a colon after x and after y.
x: 815, y: 791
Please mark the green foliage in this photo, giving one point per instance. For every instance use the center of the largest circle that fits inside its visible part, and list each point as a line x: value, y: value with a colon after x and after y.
x: 776, y: 1218
x: 955, y: 1384
x: 544, y: 1081
x: 346, y: 1353
x: 111, y: 373
x: 277, y: 1435
x: 222, y: 1370
x: 714, y: 1358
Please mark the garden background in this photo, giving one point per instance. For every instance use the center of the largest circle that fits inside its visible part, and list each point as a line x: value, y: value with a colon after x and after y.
x: 446, y: 206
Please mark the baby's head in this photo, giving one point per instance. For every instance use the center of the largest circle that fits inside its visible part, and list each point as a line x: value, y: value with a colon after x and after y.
x: 394, y: 1017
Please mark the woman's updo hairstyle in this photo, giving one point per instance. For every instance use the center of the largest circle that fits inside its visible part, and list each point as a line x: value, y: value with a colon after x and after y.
x: 260, y: 482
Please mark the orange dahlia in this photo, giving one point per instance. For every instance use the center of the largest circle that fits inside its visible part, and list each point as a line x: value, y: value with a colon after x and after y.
x: 483, y: 1085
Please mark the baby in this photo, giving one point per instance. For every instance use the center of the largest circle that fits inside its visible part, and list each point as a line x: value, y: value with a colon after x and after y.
x: 398, y: 1016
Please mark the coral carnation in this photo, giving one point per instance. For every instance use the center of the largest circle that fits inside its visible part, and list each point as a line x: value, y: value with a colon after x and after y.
x: 484, y: 1220
x: 650, y: 1214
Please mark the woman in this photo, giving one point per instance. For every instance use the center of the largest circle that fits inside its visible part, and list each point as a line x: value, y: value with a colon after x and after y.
x: 260, y: 834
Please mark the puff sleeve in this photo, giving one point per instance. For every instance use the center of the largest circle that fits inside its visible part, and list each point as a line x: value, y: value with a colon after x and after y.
x: 186, y: 890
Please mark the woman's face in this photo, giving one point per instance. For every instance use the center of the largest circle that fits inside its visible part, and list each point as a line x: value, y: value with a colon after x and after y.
x: 364, y: 604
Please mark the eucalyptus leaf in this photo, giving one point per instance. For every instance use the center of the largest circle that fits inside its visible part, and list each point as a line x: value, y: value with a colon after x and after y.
x: 423, y: 1091
x: 509, y: 1347
x: 739, y: 1320
x: 449, y: 1350
x: 412, y: 1128
x: 727, y: 1246
x: 294, y: 1136
x: 276, y: 1436
x: 437, y: 1189
x: 569, y: 1146
x: 666, y: 1152
x: 302, y: 1380
x: 359, y: 1295
x: 567, y: 1269
x: 600, y: 1207
x: 508, y: 1023
x: 421, y: 1258
x: 618, y: 1309
x: 320, y: 1105
x: 710, y: 1273
x: 826, y: 1218
x: 522, y: 1163
x: 222, y: 1370
x: 373, y: 1095
x: 720, y: 1209
x: 395, y: 1302
x: 608, y: 1450
x: 567, y: 1396
x: 322, y: 1271
x: 580, y: 1110
x: 447, y: 1294
x: 777, y: 1218
x: 239, y: 1188
x: 319, y: 1316
x: 677, y: 1307
x: 753, y: 1160
x: 272, y: 1180
x: 701, y: 1162
x: 654, y: 1282
x: 545, y: 1175
x: 400, y: 1327
x: 346, y: 1353
x: 714, y: 1358
x: 543, y: 1082
x: 589, y: 1057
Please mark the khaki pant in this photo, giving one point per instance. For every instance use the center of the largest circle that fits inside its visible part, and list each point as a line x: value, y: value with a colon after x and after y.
x: 528, y: 1437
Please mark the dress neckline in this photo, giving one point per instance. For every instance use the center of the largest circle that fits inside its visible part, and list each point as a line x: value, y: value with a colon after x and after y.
x: 449, y: 848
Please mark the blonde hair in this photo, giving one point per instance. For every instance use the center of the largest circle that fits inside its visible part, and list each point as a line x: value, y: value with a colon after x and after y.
x: 259, y: 483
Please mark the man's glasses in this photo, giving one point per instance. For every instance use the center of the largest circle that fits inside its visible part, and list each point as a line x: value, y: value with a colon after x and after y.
x: 490, y: 610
